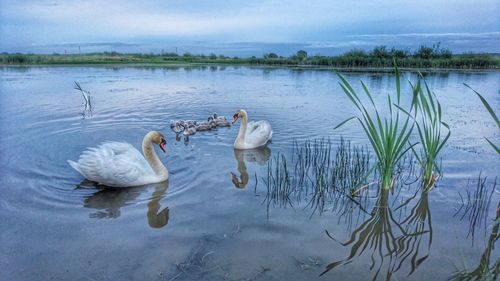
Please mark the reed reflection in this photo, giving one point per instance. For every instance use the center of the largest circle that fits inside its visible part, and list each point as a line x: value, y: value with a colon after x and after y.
x: 484, y: 271
x: 475, y: 204
x: 391, y: 243
x: 475, y: 209
x: 109, y: 201
x: 260, y: 156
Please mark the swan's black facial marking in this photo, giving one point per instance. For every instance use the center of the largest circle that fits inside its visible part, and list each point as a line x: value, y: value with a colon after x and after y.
x: 235, y: 117
x: 163, y: 142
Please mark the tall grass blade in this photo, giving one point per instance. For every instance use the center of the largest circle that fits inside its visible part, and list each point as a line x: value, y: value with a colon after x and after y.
x: 343, y: 122
x: 487, y: 105
x: 492, y: 113
x: 493, y: 145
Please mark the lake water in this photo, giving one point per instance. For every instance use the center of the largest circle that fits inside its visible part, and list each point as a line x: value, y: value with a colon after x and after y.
x: 205, y: 224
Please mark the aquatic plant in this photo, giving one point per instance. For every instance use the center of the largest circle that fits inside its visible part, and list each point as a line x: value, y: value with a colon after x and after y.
x: 491, y: 112
x: 427, y: 112
x: 87, y: 99
x: 85, y: 95
x: 388, y: 136
x: 278, y: 183
x: 317, y: 173
x: 330, y: 175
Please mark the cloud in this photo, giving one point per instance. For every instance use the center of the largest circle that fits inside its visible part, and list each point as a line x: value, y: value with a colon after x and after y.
x: 432, y: 35
x: 39, y: 22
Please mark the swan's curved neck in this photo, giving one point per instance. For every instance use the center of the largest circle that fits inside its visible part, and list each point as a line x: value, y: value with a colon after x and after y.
x: 242, y: 168
x: 155, y: 219
x: 240, y: 158
x: 243, y: 128
x: 151, y: 157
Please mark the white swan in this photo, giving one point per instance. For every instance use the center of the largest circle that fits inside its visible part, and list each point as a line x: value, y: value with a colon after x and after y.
x: 251, y: 134
x: 119, y: 164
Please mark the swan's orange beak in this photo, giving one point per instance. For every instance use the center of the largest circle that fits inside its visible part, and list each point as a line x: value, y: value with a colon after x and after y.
x: 235, y: 118
x: 162, y: 145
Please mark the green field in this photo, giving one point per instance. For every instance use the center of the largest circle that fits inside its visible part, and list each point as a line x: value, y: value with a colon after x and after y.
x: 379, y: 57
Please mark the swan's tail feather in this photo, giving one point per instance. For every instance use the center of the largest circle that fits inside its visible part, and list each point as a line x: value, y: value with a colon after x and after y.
x: 75, y: 166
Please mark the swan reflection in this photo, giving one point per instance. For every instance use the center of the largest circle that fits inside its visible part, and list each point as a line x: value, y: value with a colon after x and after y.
x: 260, y: 156
x: 109, y: 201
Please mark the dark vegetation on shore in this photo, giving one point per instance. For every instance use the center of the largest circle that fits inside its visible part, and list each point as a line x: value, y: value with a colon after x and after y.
x: 379, y: 57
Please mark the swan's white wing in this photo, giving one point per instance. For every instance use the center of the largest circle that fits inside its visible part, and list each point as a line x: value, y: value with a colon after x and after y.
x: 251, y: 127
x: 113, y: 164
x: 258, y: 133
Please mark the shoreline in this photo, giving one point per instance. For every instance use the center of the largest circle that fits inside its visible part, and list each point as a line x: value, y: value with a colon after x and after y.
x: 248, y: 65
x: 380, y: 59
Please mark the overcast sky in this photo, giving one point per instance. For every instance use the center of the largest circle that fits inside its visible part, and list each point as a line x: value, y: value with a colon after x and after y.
x: 28, y: 23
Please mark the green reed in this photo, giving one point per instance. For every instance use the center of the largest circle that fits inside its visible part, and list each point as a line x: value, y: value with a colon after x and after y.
x: 432, y: 131
x: 278, y: 182
x: 491, y: 112
x: 86, y: 96
x: 388, y: 136
x: 317, y: 171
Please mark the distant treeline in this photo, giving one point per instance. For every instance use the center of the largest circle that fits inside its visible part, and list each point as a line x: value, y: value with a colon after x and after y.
x: 379, y: 57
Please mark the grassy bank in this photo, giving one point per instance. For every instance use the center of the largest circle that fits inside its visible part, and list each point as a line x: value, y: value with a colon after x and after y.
x: 379, y: 57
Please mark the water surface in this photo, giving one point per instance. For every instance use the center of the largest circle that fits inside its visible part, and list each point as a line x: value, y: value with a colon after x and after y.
x: 211, y: 220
